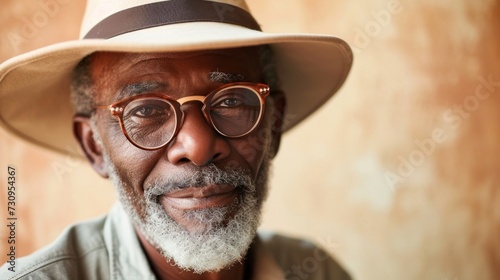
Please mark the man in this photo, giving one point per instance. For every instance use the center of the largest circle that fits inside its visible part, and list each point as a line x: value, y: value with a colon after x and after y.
x: 166, y: 98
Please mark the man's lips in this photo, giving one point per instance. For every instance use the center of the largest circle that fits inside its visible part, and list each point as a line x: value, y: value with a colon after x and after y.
x: 193, y: 198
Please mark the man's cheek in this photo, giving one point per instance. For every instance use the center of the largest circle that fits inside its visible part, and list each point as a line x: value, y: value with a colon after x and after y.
x: 247, y: 151
x: 134, y: 197
x: 250, y: 152
x: 131, y: 160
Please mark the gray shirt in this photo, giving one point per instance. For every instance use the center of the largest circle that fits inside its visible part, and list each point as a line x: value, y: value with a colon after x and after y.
x: 108, y: 248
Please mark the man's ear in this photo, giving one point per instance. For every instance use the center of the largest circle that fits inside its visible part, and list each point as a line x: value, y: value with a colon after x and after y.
x: 279, y: 104
x: 85, y: 137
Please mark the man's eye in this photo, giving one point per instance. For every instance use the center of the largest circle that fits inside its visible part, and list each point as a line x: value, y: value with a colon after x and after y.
x: 230, y: 102
x: 148, y: 111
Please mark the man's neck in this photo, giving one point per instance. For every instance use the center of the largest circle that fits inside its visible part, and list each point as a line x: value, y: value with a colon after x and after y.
x: 164, y: 269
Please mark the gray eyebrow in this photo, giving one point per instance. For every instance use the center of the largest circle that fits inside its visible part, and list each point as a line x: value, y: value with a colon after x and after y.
x: 225, y: 78
x: 140, y: 87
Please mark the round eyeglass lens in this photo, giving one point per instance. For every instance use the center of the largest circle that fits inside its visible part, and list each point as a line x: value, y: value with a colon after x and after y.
x: 149, y: 122
x: 235, y: 111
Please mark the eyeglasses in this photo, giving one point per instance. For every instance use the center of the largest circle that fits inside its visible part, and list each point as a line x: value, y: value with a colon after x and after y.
x: 151, y: 121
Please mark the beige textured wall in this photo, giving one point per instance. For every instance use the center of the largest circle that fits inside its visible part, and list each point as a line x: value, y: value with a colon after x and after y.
x: 397, y: 176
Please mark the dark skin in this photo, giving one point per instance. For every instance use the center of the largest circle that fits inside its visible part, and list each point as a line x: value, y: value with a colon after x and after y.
x: 197, y: 143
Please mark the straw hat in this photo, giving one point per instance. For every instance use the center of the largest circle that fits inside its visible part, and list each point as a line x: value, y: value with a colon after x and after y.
x: 34, y: 87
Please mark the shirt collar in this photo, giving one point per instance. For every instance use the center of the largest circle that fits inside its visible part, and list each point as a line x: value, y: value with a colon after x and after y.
x: 265, y: 267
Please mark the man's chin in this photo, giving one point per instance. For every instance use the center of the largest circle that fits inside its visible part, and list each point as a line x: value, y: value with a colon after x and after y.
x: 201, y: 220
x: 206, y: 240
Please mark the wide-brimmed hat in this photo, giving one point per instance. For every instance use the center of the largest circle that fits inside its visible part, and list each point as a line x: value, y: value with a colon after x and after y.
x: 34, y: 87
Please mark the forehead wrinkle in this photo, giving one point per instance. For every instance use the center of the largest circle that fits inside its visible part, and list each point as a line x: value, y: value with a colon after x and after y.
x: 115, y: 67
x: 128, y: 61
x: 116, y: 64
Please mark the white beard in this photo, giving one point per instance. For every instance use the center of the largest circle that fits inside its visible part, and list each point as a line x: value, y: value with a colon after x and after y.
x: 220, y: 244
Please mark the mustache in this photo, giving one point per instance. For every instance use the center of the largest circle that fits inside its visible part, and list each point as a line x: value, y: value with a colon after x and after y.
x: 200, y: 177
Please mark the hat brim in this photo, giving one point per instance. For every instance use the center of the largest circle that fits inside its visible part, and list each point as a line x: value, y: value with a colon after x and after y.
x: 34, y: 87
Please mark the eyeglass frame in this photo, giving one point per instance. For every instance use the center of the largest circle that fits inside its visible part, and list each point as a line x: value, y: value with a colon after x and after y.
x: 117, y: 109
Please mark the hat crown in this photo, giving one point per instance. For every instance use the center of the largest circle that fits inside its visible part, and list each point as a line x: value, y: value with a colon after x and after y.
x: 98, y: 10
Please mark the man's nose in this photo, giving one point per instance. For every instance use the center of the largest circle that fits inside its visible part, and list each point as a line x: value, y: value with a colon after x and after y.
x: 197, y: 142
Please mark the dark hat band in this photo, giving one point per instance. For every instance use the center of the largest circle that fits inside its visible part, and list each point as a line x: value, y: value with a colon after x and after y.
x: 170, y: 12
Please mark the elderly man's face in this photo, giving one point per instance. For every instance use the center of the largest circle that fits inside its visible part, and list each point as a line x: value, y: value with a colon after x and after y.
x: 200, y: 185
